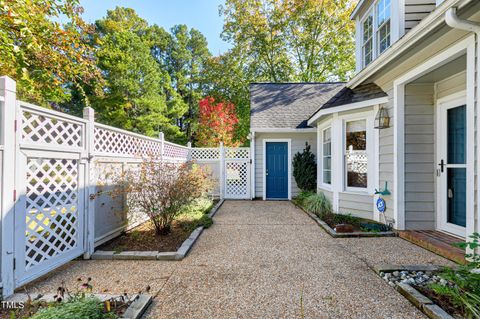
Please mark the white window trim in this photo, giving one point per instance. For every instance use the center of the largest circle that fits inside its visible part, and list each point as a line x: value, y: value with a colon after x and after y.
x: 370, y: 12
x: 289, y: 158
x: 321, y: 184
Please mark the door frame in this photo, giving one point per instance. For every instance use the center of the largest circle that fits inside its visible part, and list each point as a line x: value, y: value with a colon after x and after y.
x: 289, y: 159
x: 441, y: 106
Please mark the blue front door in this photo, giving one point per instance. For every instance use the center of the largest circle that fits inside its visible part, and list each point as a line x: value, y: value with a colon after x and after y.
x: 276, y: 170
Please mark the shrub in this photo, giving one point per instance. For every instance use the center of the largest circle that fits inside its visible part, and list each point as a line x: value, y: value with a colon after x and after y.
x: 318, y: 204
x: 300, y: 198
x: 305, y: 169
x: 161, y: 190
x: 84, y: 308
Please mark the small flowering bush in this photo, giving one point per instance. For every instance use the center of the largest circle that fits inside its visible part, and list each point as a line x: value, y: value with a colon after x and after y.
x: 162, y: 189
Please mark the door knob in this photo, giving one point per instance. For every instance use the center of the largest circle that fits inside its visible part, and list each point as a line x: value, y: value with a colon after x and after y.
x: 450, y: 193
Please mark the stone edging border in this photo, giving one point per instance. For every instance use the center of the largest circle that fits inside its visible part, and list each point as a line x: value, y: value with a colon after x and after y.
x: 155, y: 255
x: 135, y: 311
x: 424, y: 304
x: 334, y: 234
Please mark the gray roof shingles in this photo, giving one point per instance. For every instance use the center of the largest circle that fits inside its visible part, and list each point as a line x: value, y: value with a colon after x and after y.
x: 288, y: 105
x: 291, y: 105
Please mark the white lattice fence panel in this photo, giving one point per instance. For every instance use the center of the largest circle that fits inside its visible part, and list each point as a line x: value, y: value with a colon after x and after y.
x: 52, y: 211
x: 357, y: 161
x: 175, y: 151
x: 111, y: 142
x: 205, y: 154
x: 237, y: 153
x: 38, y: 127
x: 237, y: 179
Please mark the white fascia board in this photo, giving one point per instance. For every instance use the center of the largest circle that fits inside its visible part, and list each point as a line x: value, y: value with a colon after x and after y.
x: 347, y: 107
x: 284, y: 130
x: 428, y: 24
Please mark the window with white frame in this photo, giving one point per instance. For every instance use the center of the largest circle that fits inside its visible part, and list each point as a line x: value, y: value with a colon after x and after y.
x: 383, y: 25
x: 376, y: 31
x: 327, y: 156
x: 356, y: 161
x: 367, y: 47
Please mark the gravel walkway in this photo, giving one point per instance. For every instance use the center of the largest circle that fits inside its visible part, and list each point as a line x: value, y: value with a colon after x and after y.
x: 262, y: 260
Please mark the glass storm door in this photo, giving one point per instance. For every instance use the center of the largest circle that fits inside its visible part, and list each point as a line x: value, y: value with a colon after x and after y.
x: 452, y: 168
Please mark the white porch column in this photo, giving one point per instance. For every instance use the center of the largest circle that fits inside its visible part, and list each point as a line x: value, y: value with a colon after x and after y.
x: 7, y: 187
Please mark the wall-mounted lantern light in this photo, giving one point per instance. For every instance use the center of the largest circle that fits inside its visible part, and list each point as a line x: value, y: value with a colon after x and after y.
x: 382, y: 120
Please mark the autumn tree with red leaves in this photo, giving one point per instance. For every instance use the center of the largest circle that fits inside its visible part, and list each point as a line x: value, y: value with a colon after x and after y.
x: 217, y: 123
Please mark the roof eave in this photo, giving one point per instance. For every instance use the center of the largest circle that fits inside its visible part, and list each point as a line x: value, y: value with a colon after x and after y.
x: 346, y: 107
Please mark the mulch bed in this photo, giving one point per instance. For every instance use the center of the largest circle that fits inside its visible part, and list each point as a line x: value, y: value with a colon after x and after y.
x: 144, y: 238
x: 442, y: 301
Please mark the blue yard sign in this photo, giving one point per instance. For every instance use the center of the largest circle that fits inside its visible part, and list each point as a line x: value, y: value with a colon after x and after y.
x: 381, y: 206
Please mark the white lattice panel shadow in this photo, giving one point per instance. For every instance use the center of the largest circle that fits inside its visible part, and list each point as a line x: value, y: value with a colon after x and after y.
x: 113, y: 142
x: 237, y: 179
x: 205, y: 154
x: 237, y: 153
x: 38, y: 128
x: 51, y: 209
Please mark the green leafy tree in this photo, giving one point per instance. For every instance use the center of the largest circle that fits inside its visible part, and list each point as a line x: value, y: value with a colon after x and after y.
x: 186, y: 56
x: 138, y: 94
x: 46, y: 57
x: 292, y: 40
x: 305, y: 169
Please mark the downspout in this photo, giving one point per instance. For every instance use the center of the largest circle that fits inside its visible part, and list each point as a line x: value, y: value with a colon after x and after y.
x: 453, y: 21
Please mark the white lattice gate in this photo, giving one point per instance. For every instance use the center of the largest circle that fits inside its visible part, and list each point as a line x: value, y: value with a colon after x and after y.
x: 50, y: 214
x: 237, y: 173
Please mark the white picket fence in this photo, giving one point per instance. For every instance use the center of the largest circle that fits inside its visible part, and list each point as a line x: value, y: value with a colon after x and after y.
x: 57, y: 172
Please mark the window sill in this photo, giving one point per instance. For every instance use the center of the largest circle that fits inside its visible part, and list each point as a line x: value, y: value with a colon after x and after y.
x: 356, y: 192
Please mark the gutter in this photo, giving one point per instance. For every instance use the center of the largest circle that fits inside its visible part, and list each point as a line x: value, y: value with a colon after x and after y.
x: 405, y: 43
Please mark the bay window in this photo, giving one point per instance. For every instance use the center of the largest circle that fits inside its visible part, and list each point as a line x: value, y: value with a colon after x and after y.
x: 327, y: 156
x: 356, y: 160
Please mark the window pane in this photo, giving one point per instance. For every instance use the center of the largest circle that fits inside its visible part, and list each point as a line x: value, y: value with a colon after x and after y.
x: 367, y: 46
x: 356, y: 153
x: 327, y: 156
x: 384, y: 37
x: 383, y: 11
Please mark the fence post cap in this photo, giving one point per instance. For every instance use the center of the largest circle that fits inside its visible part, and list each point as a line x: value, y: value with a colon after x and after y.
x: 8, y: 84
x: 88, y: 113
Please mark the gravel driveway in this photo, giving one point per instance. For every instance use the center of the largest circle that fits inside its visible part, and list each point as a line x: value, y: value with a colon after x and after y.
x: 263, y: 260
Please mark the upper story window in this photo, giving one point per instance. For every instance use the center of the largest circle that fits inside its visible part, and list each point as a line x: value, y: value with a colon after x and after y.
x: 376, y: 31
x: 367, y: 47
x: 383, y: 25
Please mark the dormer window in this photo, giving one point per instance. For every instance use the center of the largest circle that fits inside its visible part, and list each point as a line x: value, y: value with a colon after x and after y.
x: 376, y: 31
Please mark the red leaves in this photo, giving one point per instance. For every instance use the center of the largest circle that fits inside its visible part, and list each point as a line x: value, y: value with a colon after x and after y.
x: 217, y: 123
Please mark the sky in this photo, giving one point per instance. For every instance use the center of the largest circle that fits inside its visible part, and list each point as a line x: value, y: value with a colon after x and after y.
x: 199, y: 14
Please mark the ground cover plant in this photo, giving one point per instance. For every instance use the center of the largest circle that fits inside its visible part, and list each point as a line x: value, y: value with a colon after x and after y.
x: 145, y: 238
x: 77, y: 304
x: 319, y: 204
x: 459, y: 291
